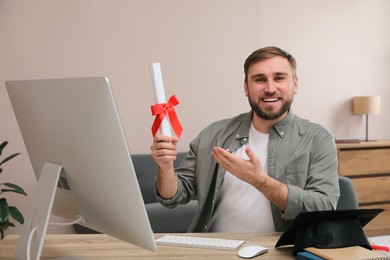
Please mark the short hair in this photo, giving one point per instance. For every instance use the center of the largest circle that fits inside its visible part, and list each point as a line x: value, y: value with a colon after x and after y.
x: 267, y: 53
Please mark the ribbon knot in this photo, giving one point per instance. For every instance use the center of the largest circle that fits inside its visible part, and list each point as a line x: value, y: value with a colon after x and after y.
x: 161, y: 110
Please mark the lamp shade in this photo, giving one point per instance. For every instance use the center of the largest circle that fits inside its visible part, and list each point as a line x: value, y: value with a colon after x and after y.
x: 367, y: 105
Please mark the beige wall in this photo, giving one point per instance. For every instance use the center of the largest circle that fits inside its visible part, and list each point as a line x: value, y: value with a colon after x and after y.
x: 342, y: 49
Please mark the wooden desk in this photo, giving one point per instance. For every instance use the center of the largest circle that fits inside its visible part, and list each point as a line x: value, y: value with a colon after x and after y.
x: 368, y: 165
x: 99, y: 246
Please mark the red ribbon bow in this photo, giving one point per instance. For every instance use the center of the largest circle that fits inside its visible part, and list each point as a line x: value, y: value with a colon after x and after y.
x: 161, y: 110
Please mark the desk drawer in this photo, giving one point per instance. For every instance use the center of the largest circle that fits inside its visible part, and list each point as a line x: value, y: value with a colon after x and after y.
x: 372, y: 189
x: 354, y: 162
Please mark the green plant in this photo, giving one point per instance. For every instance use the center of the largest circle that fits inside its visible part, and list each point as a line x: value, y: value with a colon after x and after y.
x: 7, y: 211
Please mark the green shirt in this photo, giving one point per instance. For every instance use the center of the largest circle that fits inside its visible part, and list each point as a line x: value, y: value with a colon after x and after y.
x: 301, y: 154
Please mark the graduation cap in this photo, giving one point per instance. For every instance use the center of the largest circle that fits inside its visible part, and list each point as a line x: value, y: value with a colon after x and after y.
x: 328, y: 229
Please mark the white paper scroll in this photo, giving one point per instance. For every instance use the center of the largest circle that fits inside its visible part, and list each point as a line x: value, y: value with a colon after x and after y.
x: 159, y: 95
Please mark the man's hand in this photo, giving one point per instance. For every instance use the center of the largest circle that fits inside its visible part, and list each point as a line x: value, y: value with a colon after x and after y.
x: 252, y: 172
x: 163, y: 151
x: 249, y: 171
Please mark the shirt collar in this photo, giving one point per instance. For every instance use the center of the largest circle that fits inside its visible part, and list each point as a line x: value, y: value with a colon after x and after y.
x: 280, y: 128
x: 243, y: 131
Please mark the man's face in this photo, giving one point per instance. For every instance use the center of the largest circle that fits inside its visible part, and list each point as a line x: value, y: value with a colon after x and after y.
x: 271, y: 87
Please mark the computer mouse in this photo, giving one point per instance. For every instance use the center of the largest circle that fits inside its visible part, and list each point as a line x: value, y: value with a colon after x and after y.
x: 251, y: 251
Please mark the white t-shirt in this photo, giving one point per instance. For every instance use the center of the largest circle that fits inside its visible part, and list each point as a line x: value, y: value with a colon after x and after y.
x: 241, y: 207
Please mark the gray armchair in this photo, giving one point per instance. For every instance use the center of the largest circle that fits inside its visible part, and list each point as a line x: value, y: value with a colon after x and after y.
x: 162, y: 220
x: 348, y: 198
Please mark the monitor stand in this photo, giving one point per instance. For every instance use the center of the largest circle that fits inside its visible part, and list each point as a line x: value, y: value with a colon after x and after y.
x: 32, y: 237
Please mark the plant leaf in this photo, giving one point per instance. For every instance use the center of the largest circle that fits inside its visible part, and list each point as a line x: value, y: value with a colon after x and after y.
x: 2, y: 146
x: 9, y: 158
x: 15, y: 214
x: 14, y: 188
x: 4, y: 225
x: 4, y: 210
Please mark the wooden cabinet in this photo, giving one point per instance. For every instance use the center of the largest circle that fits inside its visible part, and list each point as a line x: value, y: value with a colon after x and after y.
x: 368, y: 165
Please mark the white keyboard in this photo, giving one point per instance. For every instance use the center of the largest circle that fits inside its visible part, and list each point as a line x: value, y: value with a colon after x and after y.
x: 200, y: 242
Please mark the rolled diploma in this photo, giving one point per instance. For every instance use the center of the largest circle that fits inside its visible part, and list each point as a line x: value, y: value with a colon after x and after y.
x: 159, y: 96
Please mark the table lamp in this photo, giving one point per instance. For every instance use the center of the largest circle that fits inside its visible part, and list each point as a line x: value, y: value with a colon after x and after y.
x: 367, y: 105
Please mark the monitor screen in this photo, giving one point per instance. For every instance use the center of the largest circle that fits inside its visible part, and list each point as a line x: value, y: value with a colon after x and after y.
x: 74, y: 124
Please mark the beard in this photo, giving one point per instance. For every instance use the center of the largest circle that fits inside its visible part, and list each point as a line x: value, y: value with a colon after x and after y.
x: 269, y: 113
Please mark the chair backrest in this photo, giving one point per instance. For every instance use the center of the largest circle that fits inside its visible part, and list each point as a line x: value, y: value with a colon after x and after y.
x: 146, y: 170
x: 348, y: 197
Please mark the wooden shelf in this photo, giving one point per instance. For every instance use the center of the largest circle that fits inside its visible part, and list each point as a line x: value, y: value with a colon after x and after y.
x: 368, y: 165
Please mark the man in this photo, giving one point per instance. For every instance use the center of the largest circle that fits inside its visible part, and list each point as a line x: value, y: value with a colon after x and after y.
x: 258, y: 170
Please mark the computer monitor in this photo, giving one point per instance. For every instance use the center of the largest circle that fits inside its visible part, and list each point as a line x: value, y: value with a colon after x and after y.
x: 78, y: 151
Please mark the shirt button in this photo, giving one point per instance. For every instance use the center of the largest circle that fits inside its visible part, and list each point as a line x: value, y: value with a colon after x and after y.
x: 245, y: 139
x: 281, y: 133
x: 237, y: 136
